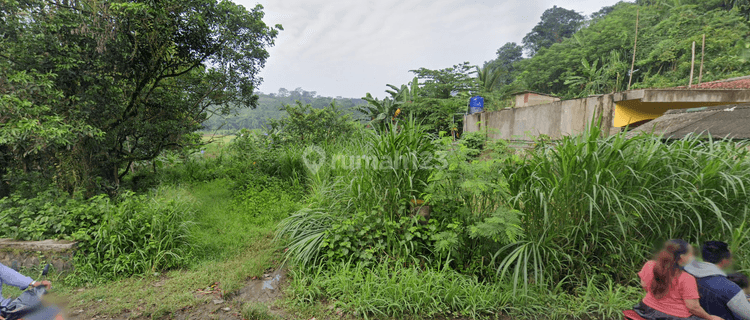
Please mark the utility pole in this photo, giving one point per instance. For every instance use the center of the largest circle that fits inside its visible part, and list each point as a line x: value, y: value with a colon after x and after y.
x: 632, y: 65
x: 692, y: 67
x: 703, y: 53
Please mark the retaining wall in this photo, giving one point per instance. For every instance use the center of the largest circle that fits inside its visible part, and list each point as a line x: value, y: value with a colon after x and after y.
x: 28, y: 254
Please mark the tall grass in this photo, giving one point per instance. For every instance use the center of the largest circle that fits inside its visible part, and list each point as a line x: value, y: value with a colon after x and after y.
x: 392, y: 291
x: 598, y: 205
x: 373, y: 172
x: 384, y: 169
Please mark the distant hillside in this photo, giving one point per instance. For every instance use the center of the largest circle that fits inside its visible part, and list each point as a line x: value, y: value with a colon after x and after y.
x: 596, y: 58
x: 269, y: 106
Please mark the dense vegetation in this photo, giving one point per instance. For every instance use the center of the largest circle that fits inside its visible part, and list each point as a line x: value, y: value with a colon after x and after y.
x: 379, y: 207
x: 271, y: 106
x: 91, y: 87
x: 596, y: 58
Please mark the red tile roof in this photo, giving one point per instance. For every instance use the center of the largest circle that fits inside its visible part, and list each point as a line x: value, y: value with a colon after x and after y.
x: 733, y: 83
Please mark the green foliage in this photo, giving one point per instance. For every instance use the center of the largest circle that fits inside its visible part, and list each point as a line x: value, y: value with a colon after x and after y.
x: 474, y: 143
x: 137, y: 235
x: 666, y: 33
x: 608, y: 78
x: 374, y: 173
x: 405, y: 93
x: 256, y: 311
x: 506, y: 61
x: 249, y: 154
x: 380, y: 113
x: 440, y: 84
x: 488, y: 78
x: 307, y: 125
x: 580, y: 196
x: 502, y: 225
x: 469, y: 199
x: 438, y: 115
x: 394, y: 291
x: 133, y: 234
x: 387, y: 290
x: 270, y: 107
x: 368, y: 237
x: 49, y: 214
x: 93, y: 82
x: 556, y: 24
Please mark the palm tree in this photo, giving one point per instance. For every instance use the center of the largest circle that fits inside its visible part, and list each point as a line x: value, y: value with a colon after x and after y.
x: 488, y: 77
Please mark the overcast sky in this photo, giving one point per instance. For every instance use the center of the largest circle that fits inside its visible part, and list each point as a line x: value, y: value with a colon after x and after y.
x: 351, y: 47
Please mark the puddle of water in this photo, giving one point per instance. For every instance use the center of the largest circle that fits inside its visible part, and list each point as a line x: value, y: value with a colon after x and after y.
x: 268, y: 284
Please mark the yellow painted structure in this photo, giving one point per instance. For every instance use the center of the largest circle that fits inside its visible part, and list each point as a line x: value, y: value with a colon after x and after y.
x: 631, y: 111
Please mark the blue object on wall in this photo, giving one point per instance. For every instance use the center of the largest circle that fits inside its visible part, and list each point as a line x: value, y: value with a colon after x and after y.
x: 476, y: 104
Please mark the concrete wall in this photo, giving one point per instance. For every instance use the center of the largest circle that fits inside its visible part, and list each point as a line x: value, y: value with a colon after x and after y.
x: 571, y: 117
x: 528, y: 99
x: 554, y: 119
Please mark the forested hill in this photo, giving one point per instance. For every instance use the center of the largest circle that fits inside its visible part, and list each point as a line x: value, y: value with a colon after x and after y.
x: 570, y: 55
x: 269, y: 106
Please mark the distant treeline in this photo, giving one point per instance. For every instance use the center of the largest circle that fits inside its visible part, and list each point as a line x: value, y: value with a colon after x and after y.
x: 269, y: 106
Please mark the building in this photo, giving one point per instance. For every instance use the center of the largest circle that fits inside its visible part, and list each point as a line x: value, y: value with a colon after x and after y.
x: 612, y: 112
x: 531, y: 98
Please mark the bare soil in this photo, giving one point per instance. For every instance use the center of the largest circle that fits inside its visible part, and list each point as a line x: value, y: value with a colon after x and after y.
x: 262, y: 291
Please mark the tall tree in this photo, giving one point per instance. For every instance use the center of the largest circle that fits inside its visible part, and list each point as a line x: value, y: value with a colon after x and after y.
x: 556, y: 24
x: 88, y: 87
x: 507, y: 57
x: 441, y: 84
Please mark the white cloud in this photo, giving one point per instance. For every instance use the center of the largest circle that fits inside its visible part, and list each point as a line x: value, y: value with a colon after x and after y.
x: 350, y: 47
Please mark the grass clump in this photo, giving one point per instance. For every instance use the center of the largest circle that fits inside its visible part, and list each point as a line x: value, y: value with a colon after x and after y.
x: 254, y: 311
x: 596, y: 205
x: 389, y: 290
x: 396, y: 290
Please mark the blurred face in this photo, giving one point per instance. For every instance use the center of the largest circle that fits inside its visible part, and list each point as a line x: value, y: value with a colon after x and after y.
x: 726, y: 263
x: 687, y: 257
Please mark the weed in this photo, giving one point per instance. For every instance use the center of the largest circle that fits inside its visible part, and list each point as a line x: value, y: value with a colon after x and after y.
x: 253, y: 311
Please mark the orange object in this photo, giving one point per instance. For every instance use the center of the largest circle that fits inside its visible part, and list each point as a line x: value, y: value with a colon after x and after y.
x: 631, y: 315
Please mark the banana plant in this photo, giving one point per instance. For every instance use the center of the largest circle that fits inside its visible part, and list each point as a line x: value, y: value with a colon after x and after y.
x: 405, y: 93
x: 380, y: 112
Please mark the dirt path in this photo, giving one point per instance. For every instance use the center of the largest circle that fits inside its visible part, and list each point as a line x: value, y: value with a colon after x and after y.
x: 257, y: 297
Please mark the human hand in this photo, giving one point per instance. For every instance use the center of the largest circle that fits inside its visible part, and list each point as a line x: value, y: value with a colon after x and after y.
x: 47, y: 284
x: 715, y: 318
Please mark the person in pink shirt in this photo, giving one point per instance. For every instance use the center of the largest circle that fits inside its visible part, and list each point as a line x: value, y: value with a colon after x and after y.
x: 671, y: 293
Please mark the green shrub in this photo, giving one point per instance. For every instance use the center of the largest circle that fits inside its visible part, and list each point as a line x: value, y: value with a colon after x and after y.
x: 305, y: 125
x: 130, y: 235
x: 469, y: 204
x: 474, y: 142
x: 249, y: 154
x: 136, y: 235
x: 369, y: 237
x: 50, y: 214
